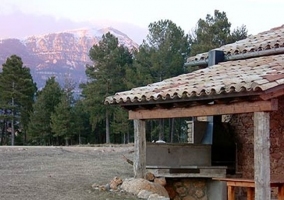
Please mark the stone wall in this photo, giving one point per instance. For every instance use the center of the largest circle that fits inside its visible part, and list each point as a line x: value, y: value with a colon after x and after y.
x: 187, y: 189
x: 243, y: 130
x: 242, y: 125
x: 277, y: 140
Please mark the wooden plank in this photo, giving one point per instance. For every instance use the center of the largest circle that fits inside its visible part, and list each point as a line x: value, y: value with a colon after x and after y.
x: 235, y: 180
x: 139, y: 164
x: 250, y: 185
x: 262, y: 155
x: 241, y: 184
x: 273, y: 93
x: 231, y: 193
x: 206, y: 110
x: 250, y: 193
x: 281, y: 192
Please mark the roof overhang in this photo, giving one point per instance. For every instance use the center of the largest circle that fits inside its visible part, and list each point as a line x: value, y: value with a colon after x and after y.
x: 169, y: 103
x: 273, y: 93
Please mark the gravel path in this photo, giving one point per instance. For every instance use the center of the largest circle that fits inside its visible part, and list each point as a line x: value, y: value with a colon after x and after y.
x: 61, y: 173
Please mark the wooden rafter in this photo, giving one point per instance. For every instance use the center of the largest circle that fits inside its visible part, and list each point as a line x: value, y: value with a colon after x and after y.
x: 273, y: 93
x: 206, y: 110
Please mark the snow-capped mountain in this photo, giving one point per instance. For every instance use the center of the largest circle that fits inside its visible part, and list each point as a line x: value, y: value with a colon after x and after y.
x: 59, y: 54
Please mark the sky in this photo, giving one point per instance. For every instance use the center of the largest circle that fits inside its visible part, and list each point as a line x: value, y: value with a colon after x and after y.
x: 21, y: 18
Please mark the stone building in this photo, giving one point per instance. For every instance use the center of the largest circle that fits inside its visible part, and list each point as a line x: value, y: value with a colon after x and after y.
x: 243, y: 81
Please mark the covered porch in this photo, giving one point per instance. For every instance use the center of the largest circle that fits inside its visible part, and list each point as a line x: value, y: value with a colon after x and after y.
x: 261, y: 110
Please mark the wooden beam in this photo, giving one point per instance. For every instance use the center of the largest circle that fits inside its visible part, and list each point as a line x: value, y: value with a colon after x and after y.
x: 206, y: 110
x: 139, y: 164
x: 272, y: 94
x: 262, y: 155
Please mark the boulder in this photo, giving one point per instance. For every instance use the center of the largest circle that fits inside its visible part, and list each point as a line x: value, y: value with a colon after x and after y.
x: 144, y: 194
x: 115, y: 182
x: 134, y: 186
x: 157, y: 197
x: 149, y: 176
x: 161, y: 180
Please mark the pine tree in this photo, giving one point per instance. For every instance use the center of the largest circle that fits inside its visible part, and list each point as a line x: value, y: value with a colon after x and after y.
x: 120, y: 124
x: 161, y: 56
x: 39, y: 128
x: 214, y: 32
x: 80, y: 118
x: 17, y: 93
x: 61, y: 119
x: 106, y: 76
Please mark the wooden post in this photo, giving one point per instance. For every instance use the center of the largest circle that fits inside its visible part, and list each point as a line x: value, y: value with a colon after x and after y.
x: 262, y: 155
x: 231, y: 192
x: 139, y: 164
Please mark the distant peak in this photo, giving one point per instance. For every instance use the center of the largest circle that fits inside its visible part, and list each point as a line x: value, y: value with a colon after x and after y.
x: 112, y: 31
x: 87, y: 32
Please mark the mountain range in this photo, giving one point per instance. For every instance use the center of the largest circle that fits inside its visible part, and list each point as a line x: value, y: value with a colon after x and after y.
x: 59, y: 54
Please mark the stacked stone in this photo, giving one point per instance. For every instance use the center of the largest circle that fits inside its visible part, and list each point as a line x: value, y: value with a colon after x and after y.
x: 187, y: 189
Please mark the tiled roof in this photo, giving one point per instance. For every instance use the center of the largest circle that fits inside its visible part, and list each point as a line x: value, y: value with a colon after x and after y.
x: 274, y: 38
x: 251, y: 75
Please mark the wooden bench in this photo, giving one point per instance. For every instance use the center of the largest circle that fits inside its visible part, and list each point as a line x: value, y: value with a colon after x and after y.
x: 250, y: 185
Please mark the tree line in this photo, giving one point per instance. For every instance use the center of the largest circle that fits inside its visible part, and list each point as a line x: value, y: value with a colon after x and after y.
x: 53, y: 116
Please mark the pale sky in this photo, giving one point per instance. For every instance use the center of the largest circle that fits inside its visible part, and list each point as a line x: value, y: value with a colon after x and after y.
x: 257, y: 15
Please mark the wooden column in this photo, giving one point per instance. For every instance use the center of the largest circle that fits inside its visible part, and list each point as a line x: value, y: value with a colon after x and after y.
x: 139, y: 164
x: 262, y: 155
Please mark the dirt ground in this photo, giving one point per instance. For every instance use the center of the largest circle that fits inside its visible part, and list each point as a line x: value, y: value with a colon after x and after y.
x: 62, y: 173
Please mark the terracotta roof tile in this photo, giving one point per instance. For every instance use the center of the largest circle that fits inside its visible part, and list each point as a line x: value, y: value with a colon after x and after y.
x: 280, y: 81
x: 249, y: 75
x: 274, y: 38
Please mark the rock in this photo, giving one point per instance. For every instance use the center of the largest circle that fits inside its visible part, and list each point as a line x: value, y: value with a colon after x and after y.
x: 156, y: 197
x: 149, y: 176
x: 115, y: 182
x: 182, y: 191
x: 160, y: 141
x: 144, y: 194
x: 95, y: 186
x: 162, y: 181
x: 134, y: 186
x: 103, y: 187
x: 189, y: 198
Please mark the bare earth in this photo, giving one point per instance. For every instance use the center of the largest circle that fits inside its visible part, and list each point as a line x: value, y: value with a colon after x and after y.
x: 62, y: 173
